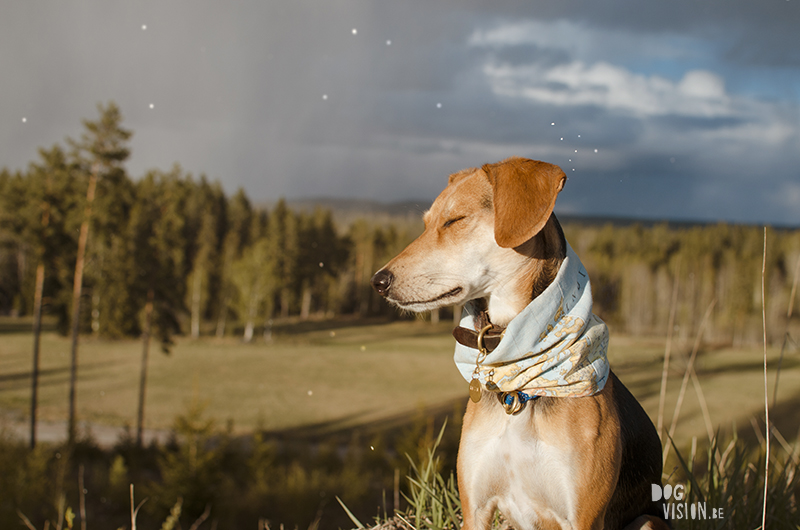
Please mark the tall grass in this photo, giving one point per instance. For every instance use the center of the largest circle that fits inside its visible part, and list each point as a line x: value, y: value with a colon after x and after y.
x: 728, y: 476
x: 733, y: 477
x: 432, y: 500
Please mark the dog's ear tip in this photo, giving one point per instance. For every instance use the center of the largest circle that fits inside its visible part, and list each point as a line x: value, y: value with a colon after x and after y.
x: 517, y: 236
x: 503, y: 240
x: 509, y: 243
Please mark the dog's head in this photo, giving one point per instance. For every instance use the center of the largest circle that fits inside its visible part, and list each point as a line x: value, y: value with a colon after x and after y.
x: 490, y: 234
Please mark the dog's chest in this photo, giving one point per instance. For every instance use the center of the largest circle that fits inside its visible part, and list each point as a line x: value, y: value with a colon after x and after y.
x: 529, y: 478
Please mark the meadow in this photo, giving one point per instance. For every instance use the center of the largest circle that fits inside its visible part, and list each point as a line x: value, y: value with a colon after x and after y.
x: 340, y: 374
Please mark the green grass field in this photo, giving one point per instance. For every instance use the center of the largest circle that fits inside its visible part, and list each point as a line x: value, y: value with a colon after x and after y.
x: 337, y: 375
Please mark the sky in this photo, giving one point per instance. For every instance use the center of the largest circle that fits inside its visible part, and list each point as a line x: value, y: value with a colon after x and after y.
x: 655, y: 109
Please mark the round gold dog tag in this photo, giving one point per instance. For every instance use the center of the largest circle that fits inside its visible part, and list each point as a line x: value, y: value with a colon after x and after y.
x: 475, y: 390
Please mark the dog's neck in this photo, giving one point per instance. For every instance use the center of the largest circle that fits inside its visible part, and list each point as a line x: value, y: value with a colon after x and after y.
x: 541, y: 257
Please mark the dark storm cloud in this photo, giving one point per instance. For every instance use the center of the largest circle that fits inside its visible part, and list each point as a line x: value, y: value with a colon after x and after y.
x: 678, y: 98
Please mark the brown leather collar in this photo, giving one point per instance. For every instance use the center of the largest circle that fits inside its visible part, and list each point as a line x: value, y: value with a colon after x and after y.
x: 469, y: 337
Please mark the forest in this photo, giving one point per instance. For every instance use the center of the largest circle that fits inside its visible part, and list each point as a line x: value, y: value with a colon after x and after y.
x: 175, y: 251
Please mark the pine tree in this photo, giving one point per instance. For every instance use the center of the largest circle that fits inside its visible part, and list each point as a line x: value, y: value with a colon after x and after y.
x: 206, y: 218
x: 100, y: 154
x: 321, y: 256
x: 156, y: 230
x: 284, y: 248
x: 49, y: 196
x: 237, y: 237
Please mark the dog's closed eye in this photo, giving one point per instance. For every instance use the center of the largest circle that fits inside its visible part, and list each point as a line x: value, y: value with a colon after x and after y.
x: 453, y: 220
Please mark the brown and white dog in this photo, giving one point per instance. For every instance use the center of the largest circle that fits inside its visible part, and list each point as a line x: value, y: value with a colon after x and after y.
x: 561, y: 463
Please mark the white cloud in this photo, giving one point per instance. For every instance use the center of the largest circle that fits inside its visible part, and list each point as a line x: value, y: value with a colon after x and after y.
x: 699, y: 94
x: 587, y: 43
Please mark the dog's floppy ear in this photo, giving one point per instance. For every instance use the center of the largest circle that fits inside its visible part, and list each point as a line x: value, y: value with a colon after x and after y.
x: 524, y: 196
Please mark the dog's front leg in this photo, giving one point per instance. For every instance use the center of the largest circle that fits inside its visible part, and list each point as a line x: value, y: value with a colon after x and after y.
x: 477, y: 502
x: 476, y: 511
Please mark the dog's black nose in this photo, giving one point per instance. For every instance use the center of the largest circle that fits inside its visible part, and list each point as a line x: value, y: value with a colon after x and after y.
x: 382, y: 281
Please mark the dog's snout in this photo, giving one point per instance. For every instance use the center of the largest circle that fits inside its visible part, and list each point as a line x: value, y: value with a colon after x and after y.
x: 382, y: 281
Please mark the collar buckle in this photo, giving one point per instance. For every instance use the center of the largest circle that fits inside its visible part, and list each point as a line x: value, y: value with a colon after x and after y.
x: 481, y: 345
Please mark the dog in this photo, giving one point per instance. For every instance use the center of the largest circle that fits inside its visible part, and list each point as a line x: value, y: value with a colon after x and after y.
x: 491, y: 240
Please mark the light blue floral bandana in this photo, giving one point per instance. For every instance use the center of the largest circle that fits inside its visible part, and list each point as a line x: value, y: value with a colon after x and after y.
x: 555, y: 347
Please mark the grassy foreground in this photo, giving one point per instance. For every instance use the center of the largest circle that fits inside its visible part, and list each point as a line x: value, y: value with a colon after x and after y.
x: 365, y: 385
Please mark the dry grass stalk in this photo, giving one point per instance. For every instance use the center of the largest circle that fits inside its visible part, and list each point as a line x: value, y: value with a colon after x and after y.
x: 789, y: 313
x: 135, y: 511
x: 686, y: 375
x: 703, y: 404
x: 25, y: 520
x: 81, y: 497
x: 667, y: 350
x: 757, y: 430
x: 766, y: 394
x: 791, y: 451
x: 200, y: 520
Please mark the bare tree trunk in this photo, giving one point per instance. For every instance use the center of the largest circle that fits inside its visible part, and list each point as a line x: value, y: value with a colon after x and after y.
x: 359, y: 279
x: 284, y: 303
x: 252, y: 309
x: 223, y: 315
x: 148, y: 324
x: 76, y: 300
x: 197, y: 284
x: 305, y: 309
x: 37, y: 330
x: 95, y: 311
x: 435, y: 316
x: 268, y: 330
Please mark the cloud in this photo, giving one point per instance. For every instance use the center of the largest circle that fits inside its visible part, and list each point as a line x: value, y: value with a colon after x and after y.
x: 610, y: 69
x: 699, y: 93
x: 584, y: 42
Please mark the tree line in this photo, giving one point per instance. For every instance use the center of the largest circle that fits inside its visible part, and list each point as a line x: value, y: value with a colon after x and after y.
x: 204, y: 259
x: 646, y: 279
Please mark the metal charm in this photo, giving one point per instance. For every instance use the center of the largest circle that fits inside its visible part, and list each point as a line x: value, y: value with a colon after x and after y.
x: 475, y: 384
x: 475, y: 390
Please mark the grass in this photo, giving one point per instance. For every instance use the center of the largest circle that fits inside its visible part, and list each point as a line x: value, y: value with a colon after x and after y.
x: 728, y: 481
x: 358, y: 373
x: 339, y: 376
x: 348, y: 374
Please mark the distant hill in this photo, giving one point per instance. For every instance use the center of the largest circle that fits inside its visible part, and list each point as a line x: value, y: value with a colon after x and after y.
x: 347, y: 210
x: 361, y: 206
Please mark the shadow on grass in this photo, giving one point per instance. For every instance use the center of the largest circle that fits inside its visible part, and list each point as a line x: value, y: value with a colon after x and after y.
x: 784, y: 416
x: 302, y: 327
x: 25, y: 324
x: 345, y: 426
x: 48, y: 376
